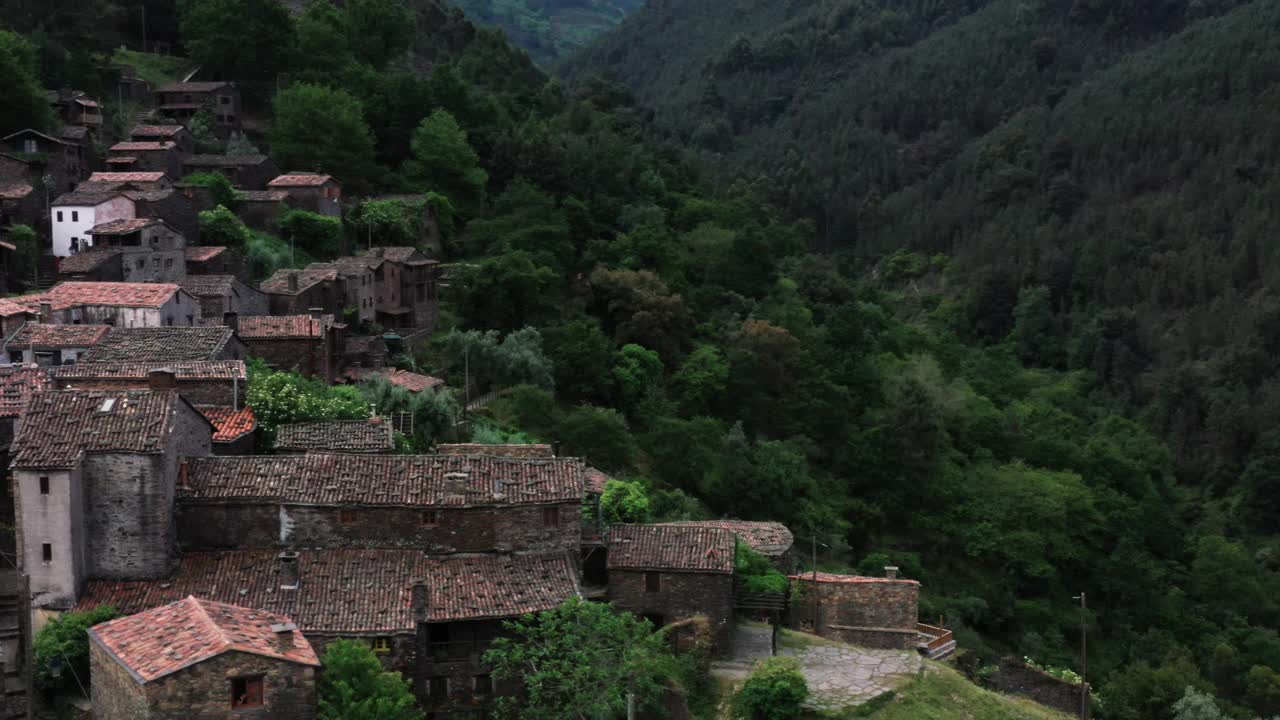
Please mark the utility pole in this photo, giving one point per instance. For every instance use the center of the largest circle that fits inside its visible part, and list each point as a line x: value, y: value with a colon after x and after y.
x: 144, y: 27
x: 813, y: 550
x: 1084, y: 655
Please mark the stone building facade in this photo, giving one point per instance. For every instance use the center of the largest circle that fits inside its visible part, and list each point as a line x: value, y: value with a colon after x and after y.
x: 321, y: 194
x: 150, y: 251
x: 295, y: 292
x: 52, y: 345
x: 119, y: 304
x: 1014, y: 677
x: 869, y: 611
x: 311, y: 344
x: 220, y: 295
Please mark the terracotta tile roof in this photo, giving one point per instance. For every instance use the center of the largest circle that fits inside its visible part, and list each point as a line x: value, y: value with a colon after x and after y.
x: 141, y: 146
x: 73, y: 132
x: 138, y: 370
x: 126, y: 177
x: 510, y: 450
x: 163, y: 640
x: 223, y: 160
x: 834, y: 578
x: 155, y: 131
x: 56, y: 336
x: 122, y: 160
x: 279, y: 282
x: 192, y: 87
x: 17, y: 384
x: 60, y: 426
x: 228, y: 424
x: 15, y: 191
x: 766, y: 538
x: 283, y: 326
x: 205, y: 285
x: 596, y: 480
x: 348, y: 266
x: 475, y: 587
x: 9, y: 308
x: 345, y: 591
x: 85, y: 197
x: 263, y: 195
x: 203, y: 253
x: 400, y: 480
x: 413, y: 382
x: 124, y: 226
x: 396, y: 254
x: 300, y: 180
x: 358, y: 436
x: 668, y: 547
x: 149, y: 195
x: 113, y: 294
x: 161, y: 344
x: 83, y: 262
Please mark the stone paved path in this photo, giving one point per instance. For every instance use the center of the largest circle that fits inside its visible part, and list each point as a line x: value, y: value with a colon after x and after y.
x: 838, y: 675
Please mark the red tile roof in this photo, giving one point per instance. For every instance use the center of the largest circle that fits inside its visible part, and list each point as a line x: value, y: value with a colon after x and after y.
x: 9, y: 308
x: 300, y: 180
x: 397, y: 253
x: 413, y: 382
x: 766, y: 538
x: 223, y: 160
x: 83, y: 262
x: 14, y: 191
x: 155, y: 130
x: 83, y: 197
x: 192, y: 87
x: 596, y: 480
x: 61, y: 426
x: 350, y: 591
x: 124, y: 226
x: 333, y: 479
x: 510, y: 450
x: 115, y: 294
x: 124, y: 177
x: 283, y: 326
x: 356, y: 436
x: 834, y: 578
x: 263, y: 195
x: 122, y: 160
x: 17, y: 384
x: 203, y: 253
x: 161, y: 344
x: 668, y: 547
x: 279, y: 282
x: 209, y: 285
x: 163, y: 640
x: 138, y: 370
x: 229, y: 425
x: 56, y: 336
x: 139, y: 146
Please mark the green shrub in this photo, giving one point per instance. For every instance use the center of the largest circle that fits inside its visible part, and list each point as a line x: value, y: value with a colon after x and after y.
x: 756, y: 573
x: 775, y: 691
x: 62, y: 649
x: 625, y: 502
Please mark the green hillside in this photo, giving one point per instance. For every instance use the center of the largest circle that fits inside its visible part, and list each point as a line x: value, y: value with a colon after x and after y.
x: 944, y: 694
x: 550, y: 30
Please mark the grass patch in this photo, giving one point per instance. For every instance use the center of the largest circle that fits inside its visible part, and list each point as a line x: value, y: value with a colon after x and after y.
x: 799, y: 640
x: 155, y: 69
x: 944, y: 694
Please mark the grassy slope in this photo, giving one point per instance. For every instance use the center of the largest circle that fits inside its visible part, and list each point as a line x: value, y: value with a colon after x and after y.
x: 944, y: 694
x: 155, y: 69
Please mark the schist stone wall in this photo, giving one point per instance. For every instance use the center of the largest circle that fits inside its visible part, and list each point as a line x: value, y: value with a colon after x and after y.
x: 307, y: 355
x: 872, y: 612
x: 202, y: 691
x: 197, y: 391
x: 451, y: 662
x: 1014, y: 677
x: 447, y: 530
x: 127, y: 515
x: 679, y: 595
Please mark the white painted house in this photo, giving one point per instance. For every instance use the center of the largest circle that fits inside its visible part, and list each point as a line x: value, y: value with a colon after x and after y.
x: 74, y: 213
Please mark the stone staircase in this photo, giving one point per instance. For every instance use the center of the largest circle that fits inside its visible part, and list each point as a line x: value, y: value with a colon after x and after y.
x: 935, y: 643
x: 48, y: 272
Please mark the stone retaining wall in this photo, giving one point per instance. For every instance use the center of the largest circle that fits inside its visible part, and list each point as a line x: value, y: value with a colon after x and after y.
x: 1015, y: 677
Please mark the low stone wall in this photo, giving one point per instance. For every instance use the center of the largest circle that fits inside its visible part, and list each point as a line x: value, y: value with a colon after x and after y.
x: 1015, y: 677
x: 873, y: 637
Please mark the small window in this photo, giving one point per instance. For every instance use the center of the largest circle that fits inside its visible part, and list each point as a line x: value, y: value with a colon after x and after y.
x: 652, y: 581
x: 438, y: 686
x: 381, y: 645
x: 168, y: 262
x: 246, y: 692
x: 483, y: 684
x: 551, y: 517
x: 44, y: 485
x: 59, y: 216
x: 75, y: 216
x: 223, y: 99
x: 168, y: 321
x: 29, y: 146
x: 46, y: 552
x: 347, y: 516
x: 140, y: 263
x: 430, y: 518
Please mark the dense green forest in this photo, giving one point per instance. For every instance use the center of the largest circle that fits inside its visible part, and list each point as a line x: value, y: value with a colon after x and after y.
x: 550, y: 30
x: 983, y: 386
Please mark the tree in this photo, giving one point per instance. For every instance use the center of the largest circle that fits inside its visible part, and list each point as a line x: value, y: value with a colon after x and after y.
x: 775, y: 690
x: 379, y: 30
x: 24, y: 103
x: 245, y: 40
x: 598, y: 434
x: 62, y: 648
x: 1196, y: 705
x: 279, y: 398
x: 353, y: 686
x: 509, y: 291
x: 579, y: 660
x: 443, y: 161
x: 1262, y: 689
x: 583, y: 357
x: 318, y: 235
x: 323, y: 32
x: 223, y: 194
x: 701, y: 379
x: 625, y: 502
x: 220, y: 226
x: 640, y: 308
x: 321, y: 129
x: 636, y: 372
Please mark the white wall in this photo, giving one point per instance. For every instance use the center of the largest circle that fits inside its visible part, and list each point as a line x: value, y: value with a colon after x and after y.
x: 57, y: 519
x: 117, y: 208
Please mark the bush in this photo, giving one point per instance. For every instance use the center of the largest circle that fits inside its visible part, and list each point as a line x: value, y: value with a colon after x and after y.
x: 62, y: 649
x: 218, y: 185
x: 625, y: 502
x: 756, y: 573
x: 775, y: 691
x: 353, y: 686
x: 319, y: 235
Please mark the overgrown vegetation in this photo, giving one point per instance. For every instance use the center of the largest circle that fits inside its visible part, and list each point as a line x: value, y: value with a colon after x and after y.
x: 61, y: 650
x: 775, y: 690
x: 353, y: 686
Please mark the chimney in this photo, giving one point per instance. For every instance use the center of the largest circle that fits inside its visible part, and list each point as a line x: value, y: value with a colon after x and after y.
x: 284, y: 634
x: 46, y: 311
x: 375, y: 420
x: 288, y: 561
x: 293, y: 281
x: 161, y: 379
x: 891, y: 571
x: 231, y: 320
x: 421, y: 597
x: 378, y: 251
x: 184, y: 469
x: 317, y: 313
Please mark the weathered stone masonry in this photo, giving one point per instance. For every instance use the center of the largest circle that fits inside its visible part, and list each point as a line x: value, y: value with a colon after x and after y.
x: 679, y: 595
x: 873, y: 612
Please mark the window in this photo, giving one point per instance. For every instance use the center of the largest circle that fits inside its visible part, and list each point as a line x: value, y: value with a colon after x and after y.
x: 141, y: 263
x: 59, y: 216
x: 15, y: 356
x: 430, y: 518
x: 381, y: 645
x: 29, y: 146
x: 652, y: 581
x: 347, y: 517
x: 46, y: 552
x: 438, y: 686
x: 246, y: 692
x: 224, y: 100
x: 551, y: 517
x: 168, y: 262
x: 75, y: 216
x: 168, y: 321
x: 483, y: 684
x: 44, y: 485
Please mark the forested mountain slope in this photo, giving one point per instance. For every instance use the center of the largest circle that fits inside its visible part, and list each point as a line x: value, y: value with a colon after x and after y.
x: 549, y: 30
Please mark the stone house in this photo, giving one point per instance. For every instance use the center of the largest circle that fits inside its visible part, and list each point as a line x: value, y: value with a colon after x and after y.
x: 196, y: 659
x: 261, y: 209
x: 215, y: 260
x: 119, y: 304
x: 311, y: 344
x: 47, y: 345
x: 200, y: 382
x: 295, y: 292
x: 247, y: 172
x: 146, y: 156
x: 74, y: 107
x: 408, y: 293
x: 92, y: 266
x: 771, y: 539
x: 221, y: 296
x: 176, y: 134
x: 167, y: 345
x: 232, y: 429
x: 17, y: 384
x: 60, y: 159
x: 131, y: 180
x: 171, y: 206
x: 13, y: 315
x: 320, y: 194
x: 74, y: 213
x: 82, y: 137
x: 356, y: 280
x: 150, y: 250
x: 870, y: 611
x: 432, y: 503
x: 180, y: 102
x: 95, y: 475
x: 20, y: 205
x: 373, y: 435
x: 667, y: 573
